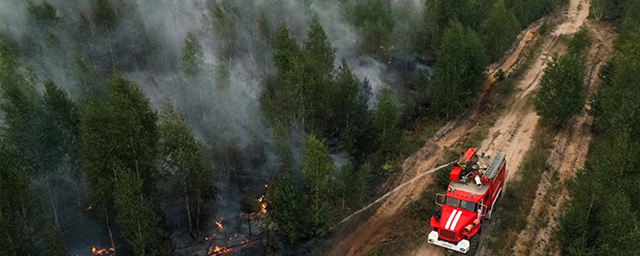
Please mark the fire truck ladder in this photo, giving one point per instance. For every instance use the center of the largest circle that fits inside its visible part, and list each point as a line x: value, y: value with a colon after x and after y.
x: 494, y: 167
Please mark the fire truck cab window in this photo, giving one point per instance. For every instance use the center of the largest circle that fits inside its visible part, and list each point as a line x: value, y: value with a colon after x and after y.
x: 452, y: 201
x: 469, y: 206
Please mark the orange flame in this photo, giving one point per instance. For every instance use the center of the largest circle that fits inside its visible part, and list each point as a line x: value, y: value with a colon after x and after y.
x: 104, y: 251
x: 263, y: 205
x: 220, y: 250
x: 219, y: 224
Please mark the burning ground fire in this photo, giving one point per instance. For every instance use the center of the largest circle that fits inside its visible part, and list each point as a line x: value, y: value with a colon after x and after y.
x: 104, y: 251
x: 263, y: 203
x: 228, y: 243
x: 217, y: 250
x: 263, y: 206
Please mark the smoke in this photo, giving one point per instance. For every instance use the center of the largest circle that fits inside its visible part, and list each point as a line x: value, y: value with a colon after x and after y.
x: 222, y: 106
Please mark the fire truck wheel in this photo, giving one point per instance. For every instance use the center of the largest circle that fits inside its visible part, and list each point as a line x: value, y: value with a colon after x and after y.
x: 474, y: 242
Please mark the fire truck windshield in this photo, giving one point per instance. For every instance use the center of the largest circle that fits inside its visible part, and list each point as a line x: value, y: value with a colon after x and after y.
x: 469, y: 206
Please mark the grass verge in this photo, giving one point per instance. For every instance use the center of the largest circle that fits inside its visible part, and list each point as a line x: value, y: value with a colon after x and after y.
x: 520, y: 194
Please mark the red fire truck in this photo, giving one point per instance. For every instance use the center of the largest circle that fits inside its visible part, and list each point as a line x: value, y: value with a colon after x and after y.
x: 470, y: 199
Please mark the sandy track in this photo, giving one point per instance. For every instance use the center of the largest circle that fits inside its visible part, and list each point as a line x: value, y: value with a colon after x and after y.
x: 569, y: 154
x: 511, y: 134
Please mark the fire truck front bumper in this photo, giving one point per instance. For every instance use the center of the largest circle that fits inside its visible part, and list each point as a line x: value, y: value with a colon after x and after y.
x: 462, y: 246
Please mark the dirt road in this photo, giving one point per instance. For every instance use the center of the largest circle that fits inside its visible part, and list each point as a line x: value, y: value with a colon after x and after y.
x: 569, y: 154
x: 511, y: 134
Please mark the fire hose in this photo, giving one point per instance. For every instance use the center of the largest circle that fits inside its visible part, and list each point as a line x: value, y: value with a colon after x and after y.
x: 396, y: 189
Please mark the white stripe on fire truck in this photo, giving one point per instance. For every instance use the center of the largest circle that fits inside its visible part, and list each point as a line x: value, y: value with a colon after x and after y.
x: 450, y: 219
x: 455, y: 221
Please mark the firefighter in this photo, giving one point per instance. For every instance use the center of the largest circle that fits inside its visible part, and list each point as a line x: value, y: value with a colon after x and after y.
x: 462, y: 163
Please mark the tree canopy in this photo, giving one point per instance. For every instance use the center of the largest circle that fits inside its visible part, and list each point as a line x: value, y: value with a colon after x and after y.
x: 461, y: 64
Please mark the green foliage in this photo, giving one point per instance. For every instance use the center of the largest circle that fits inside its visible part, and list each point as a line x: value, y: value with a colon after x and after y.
x: 318, y: 173
x: 423, y: 208
x: 517, y: 201
x: 350, y: 114
x: 308, y: 91
x: 132, y: 128
x: 136, y: 218
x: 405, y: 38
x: 344, y: 186
x: 104, y: 14
x: 192, y: 58
x: 527, y: 11
x: 606, y: 9
x: 561, y: 93
x: 580, y: 42
x: 375, y: 22
x: 364, y: 176
x: 440, y: 13
x: 122, y: 133
x: 61, y: 121
x: 26, y: 228
x: 601, y: 219
x: 22, y: 108
x: 186, y: 160
x: 500, y: 30
x: 87, y: 86
x: 283, y: 146
x: 282, y: 98
x: 43, y: 13
x: 461, y: 64
x: 226, y: 30
x: 385, y: 122
x: 288, y: 209
x: 314, y: 77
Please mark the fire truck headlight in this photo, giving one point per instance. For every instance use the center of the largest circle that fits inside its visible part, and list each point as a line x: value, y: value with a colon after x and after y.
x: 430, y: 240
x: 462, y: 249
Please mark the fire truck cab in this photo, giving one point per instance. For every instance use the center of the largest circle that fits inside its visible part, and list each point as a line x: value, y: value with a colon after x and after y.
x: 470, y: 199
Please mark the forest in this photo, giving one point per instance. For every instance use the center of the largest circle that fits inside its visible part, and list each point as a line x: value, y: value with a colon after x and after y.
x: 602, y: 218
x: 207, y: 127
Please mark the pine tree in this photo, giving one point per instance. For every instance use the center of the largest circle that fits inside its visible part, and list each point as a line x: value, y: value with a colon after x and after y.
x: 364, y: 183
x: 104, y: 14
x: 132, y: 129
x: 315, y: 77
x: 385, y: 121
x: 122, y: 133
x: 500, y: 30
x: 287, y: 208
x: 375, y: 22
x: 344, y: 186
x: 343, y: 99
x: 460, y: 70
x: 86, y: 85
x: 192, y: 58
x: 227, y: 35
x: 26, y: 227
x: 282, y: 98
x: 185, y: 159
x: 561, y: 93
x: 60, y: 141
x: 264, y: 41
x: 136, y: 218
x: 352, y: 116
x: 44, y: 13
x: 318, y: 173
